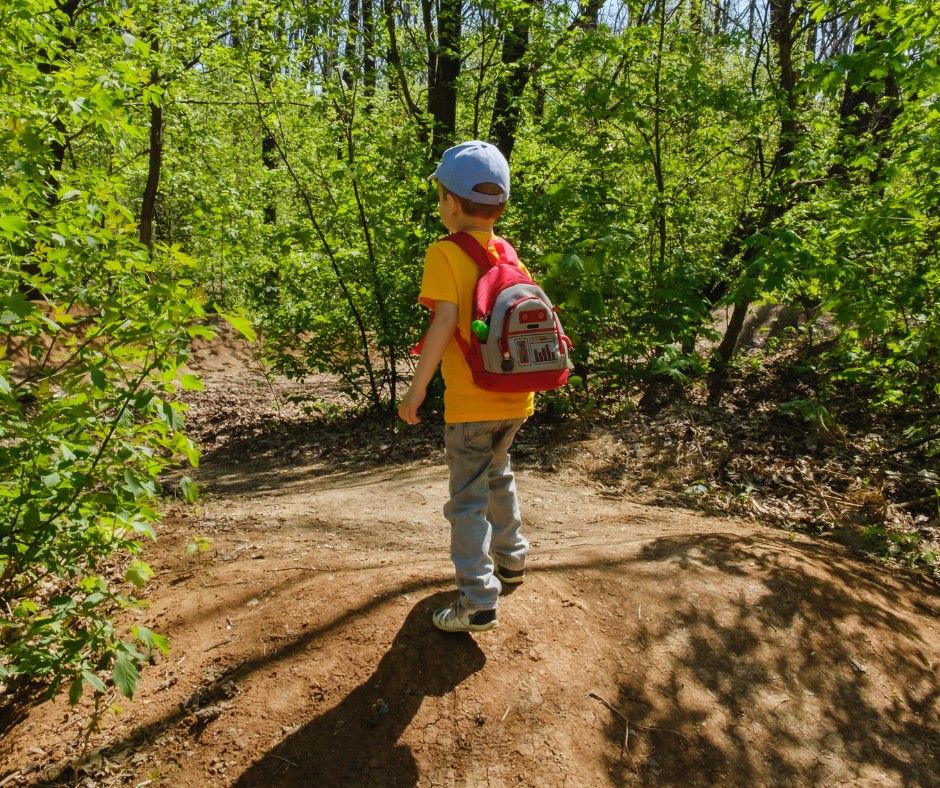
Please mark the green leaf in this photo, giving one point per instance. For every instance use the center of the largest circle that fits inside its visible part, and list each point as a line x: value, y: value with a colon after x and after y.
x: 132, y: 484
x: 192, y: 383
x: 13, y: 225
x: 169, y: 414
x: 138, y: 573
x: 143, y: 527
x: 92, y: 583
x: 125, y: 674
x: 52, y: 480
x: 15, y: 307
x: 191, y: 450
x: 198, y: 544
x: 203, y: 332
x: 98, y: 378
x: 25, y: 608
x: 151, y: 639
x: 592, y: 301
x: 241, y: 324
x: 189, y: 489
x: 31, y: 516
x: 95, y: 681
x: 75, y: 690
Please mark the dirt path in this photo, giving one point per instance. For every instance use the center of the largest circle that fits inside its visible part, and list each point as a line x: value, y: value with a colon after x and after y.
x: 303, y: 653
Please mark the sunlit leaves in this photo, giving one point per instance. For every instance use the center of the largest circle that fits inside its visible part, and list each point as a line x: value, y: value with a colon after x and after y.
x: 93, y: 328
x: 125, y: 672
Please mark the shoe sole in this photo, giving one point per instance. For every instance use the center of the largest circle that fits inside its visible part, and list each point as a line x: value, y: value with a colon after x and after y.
x: 469, y: 628
x: 472, y: 628
x: 513, y: 581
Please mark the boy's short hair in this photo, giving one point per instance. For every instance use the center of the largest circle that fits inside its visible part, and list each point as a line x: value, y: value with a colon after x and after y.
x: 478, y: 209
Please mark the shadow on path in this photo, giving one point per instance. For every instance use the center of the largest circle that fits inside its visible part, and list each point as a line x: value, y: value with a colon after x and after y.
x: 818, y: 673
x: 356, y: 742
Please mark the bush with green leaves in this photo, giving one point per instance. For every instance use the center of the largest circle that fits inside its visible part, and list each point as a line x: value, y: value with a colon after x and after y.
x: 93, y: 330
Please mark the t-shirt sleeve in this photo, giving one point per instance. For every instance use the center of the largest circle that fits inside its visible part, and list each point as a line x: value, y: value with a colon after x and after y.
x: 437, y: 281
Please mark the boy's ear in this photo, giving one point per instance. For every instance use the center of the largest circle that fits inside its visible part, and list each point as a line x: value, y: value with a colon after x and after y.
x: 451, y: 203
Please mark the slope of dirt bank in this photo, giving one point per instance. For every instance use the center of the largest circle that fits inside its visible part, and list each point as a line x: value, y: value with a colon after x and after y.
x: 648, y: 646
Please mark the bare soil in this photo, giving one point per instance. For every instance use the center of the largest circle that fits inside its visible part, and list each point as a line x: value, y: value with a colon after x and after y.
x: 648, y: 645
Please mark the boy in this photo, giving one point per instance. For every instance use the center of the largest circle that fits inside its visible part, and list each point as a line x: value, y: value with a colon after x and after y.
x: 483, y: 511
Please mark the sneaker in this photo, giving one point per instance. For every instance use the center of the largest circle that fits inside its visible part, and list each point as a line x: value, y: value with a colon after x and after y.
x: 510, y: 576
x: 456, y: 618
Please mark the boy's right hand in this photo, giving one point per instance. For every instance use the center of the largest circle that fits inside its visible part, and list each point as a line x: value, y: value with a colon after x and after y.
x: 408, y: 407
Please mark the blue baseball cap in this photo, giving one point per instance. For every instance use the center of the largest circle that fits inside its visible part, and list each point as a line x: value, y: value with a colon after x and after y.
x: 471, y: 163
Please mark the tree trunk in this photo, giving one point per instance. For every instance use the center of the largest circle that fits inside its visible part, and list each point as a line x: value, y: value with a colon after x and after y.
x: 351, y: 51
x: 148, y: 206
x: 430, y: 38
x: 812, y: 37
x: 393, y: 58
x: 368, y: 51
x: 269, y: 154
x: 155, y: 162
x: 729, y: 341
x: 589, y: 16
x: 784, y: 20
x: 695, y: 16
x: 657, y: 147
x: 869, y: 106
x: 507, y: 109
x: 442, y: 94
x: 58, y: 146
x: 269, y: 159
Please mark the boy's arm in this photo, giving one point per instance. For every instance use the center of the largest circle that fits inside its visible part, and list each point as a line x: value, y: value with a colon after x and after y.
x: 441, y: 331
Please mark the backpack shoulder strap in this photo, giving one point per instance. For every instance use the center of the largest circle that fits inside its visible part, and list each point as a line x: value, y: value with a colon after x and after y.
x: 507, y: 254
x: 478, y: 254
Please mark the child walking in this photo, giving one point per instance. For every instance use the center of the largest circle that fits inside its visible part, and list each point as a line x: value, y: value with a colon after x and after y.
x: 486, y: 543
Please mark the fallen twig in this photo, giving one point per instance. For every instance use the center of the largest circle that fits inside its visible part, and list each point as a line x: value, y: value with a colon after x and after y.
x: 625, y: 744
x: 607, y: 704
x: 682, y: 736
x: 636, y: 724
x: 916, y: 501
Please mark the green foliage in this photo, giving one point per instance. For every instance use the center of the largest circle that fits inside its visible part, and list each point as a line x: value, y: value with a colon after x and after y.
x: 93, y: 330
x: 647, y: 191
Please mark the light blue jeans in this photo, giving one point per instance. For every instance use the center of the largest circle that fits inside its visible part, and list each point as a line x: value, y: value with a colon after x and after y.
x: 483, y: 509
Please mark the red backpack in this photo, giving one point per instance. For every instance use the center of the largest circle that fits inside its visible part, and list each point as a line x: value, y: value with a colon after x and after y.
x: 516, y: 342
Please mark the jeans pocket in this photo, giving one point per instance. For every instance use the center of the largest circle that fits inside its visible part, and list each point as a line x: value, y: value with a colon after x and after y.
x: 478, y: 434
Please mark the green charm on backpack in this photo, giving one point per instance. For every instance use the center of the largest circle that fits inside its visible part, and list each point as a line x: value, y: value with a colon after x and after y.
x: 480, y: 329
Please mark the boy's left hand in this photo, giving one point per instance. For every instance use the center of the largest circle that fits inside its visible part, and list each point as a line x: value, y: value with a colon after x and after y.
x: 408, y: 407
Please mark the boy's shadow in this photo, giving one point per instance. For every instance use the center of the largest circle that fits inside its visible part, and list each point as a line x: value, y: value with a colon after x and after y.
x: 356, y: 742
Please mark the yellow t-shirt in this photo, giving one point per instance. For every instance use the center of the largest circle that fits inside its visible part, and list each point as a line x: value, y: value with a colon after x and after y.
x: 450, y: 275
